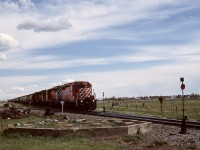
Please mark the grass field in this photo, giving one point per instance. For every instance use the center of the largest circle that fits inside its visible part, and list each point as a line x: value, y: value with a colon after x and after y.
x: 69, y: 142
x: 171, y: 108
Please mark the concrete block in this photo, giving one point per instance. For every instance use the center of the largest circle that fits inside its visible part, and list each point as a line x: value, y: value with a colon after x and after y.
x: 104, y: 132
x: 140, y: 128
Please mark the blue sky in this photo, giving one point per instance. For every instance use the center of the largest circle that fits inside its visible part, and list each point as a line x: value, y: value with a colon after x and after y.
x: 124, y: 48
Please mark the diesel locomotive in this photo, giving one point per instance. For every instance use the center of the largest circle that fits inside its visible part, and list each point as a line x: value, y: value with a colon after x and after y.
x: 77, y: 95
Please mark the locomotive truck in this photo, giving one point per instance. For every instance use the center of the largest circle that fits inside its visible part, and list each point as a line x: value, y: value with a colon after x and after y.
x: 78, y: 95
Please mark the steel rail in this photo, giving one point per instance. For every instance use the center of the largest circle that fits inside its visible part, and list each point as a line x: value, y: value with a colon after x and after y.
x: 174, y: 122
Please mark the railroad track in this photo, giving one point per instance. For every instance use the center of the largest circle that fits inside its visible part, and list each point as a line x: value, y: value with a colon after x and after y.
x: 174, y: 122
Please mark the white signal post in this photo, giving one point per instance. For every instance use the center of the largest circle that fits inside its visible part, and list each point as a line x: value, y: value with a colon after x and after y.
x: 62, y: 103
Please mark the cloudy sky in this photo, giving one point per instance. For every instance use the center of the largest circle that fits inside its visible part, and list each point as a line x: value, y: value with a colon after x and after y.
x: 123, y: 47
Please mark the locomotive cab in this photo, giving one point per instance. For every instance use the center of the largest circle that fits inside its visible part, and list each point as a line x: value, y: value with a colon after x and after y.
x: 83, y: 95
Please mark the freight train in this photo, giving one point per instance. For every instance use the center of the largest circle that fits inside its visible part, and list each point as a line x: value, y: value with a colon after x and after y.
x: 78, y: 95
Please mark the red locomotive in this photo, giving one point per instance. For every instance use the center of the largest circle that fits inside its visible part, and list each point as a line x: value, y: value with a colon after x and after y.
x: 75, y: 94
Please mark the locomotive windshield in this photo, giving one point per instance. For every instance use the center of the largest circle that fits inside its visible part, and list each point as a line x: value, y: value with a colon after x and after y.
x: 82, y: 85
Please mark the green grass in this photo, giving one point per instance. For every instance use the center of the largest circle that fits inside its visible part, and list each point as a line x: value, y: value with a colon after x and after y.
x: 5, y: 122
x: 77, y: 141
x: 69, y: 142
x: 153, y: 107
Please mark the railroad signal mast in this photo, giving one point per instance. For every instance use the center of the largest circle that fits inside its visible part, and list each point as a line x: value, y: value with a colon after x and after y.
x: 103, y: 96
x: 182, y: 88
x: 184, y: 119
x: 104, y: 108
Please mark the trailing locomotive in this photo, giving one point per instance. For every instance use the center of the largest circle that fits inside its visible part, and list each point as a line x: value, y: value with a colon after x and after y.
x: 75, y: 94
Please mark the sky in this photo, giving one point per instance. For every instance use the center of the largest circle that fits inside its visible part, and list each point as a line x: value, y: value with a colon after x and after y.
x: 124, y: 48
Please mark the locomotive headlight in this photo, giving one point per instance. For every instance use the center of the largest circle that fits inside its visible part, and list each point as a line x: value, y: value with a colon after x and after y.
x: 81, y: 101
x: 93, y: 100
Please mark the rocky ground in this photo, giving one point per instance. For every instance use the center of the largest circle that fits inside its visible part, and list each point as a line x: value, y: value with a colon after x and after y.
x: 163, y: 137
x: 168, y: 138
x: 160, y: 137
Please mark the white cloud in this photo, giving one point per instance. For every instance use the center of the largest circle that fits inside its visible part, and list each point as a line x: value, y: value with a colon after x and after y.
x: 87, y: 18
x: 141, y: 82
x: 8, y: 81
x: 34, y: 85
x: 45, y: 25
x: 15, y: 86
x: 180, y: 53
x: 9, y: 5
x: 62, y: 82
x: 7, y: 42
x: 16, y: 6
x: 19, y: 89
x: 2, y: 57
x: 68, y: 81
x: 26, y: 4
x: 92, y: 20
x: 44, y: 58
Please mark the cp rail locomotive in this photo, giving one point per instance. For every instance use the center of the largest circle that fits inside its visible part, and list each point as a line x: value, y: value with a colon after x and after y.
x: 77, y: 95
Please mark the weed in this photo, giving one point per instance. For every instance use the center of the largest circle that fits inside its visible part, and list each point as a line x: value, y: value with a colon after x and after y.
x: 189, y: 144
x: 132, y: 138
x: 157, y: 143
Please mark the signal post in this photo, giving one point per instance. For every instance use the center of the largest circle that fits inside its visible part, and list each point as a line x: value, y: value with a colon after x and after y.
x: 184, y: 119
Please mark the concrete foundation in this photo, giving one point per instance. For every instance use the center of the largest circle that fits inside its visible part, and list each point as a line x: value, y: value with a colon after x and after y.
x: 135, y: 128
